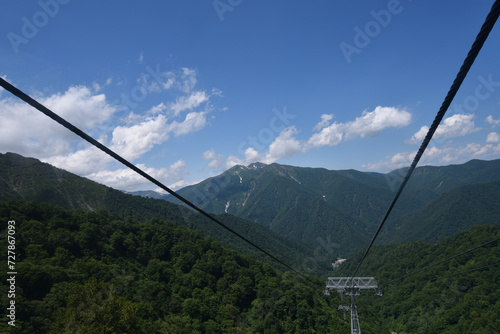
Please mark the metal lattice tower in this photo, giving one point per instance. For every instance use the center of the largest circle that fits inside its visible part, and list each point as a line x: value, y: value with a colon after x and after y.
x: 351, y: 286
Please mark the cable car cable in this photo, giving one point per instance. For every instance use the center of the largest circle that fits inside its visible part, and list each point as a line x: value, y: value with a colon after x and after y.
x: 28, y: 99
x: 464, y: 69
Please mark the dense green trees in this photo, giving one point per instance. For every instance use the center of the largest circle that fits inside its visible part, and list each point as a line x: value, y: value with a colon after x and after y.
x: 92, y: 272
x: 462, y: 300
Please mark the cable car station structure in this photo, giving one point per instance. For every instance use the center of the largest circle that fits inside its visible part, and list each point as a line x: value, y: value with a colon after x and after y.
x: 352, y: 286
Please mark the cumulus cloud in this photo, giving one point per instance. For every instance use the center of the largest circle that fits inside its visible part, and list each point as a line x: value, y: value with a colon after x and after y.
x: 82, y: 162
x: 190, y: 102
x: 329, y: 136
x: 214, y: 160
x: 127, y: 179
x: 252, y: 155
x: 133, y: 141
x: 448, y: 154
x: 369, y: 124
x: 493, y: 137
x: 458, y: 125
x: 325, y: 121
x: 285, y: 145
x: 193, y: 122
x: 233, y: 161
x: 492, y: 121
x: 28, y: 132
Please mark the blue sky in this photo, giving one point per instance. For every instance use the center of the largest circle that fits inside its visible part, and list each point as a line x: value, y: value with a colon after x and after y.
x: 187, y: 89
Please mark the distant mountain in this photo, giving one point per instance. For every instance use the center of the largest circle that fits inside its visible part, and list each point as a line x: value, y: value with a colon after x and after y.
x: 31, y: 180
x: 146, y: 193
x: 313, y: 206
x: 454, y: 211
x: 346, y: 205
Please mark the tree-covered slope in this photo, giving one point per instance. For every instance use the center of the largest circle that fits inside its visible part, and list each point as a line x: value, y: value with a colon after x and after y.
x: 93, y: 272
x: 30, y: 179
x: 451, y: 297
x: 348, y: 205
x: 448, y: 214
x: 33, y: 180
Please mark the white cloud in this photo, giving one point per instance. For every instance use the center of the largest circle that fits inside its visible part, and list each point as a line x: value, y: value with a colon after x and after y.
x: 190, y: 102
x: 492, y: 121
x: 369, y: 124
x: 325, y: 121
x: 188, y: 78
x: 155, y: 110
x: 233, y: 161
x: 98, y: 87
x: 458, y: 125
x: 448, y: 154
x: 329, y: 136
x: 79, y: 107
x: 132, y: 142
x: 141, y: 58
x: 193, y: 122
x: 27, y: 131
x: 214, y: 159
x: 127, y: 179
x: 82, y: 162
x: 252, y: 155
x: 177, y: 185
x: 493, y: 137
x: 283, y: 146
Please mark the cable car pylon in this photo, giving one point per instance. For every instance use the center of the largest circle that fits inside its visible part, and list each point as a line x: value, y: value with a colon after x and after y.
x: 352, y: 286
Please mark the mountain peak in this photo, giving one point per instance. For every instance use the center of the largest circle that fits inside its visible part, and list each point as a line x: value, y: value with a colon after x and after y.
x: 256, y: 165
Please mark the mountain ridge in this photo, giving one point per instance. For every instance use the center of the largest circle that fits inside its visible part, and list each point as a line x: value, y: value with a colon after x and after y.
x: 301, y: 203
x: 32, y: 180
x: 348, y: 205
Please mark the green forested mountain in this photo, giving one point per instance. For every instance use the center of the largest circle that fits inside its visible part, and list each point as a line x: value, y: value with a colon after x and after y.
x: 448, y: 214
x: 310, y: 205
x: 115, y: 263
x: 347, y: 205
x: 451, y: 297
x: 94, y: 272
x: 32, y: 180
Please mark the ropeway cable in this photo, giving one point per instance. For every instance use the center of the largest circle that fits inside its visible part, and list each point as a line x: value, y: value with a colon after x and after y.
x: 469, y: 60
x: 28, y: 99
